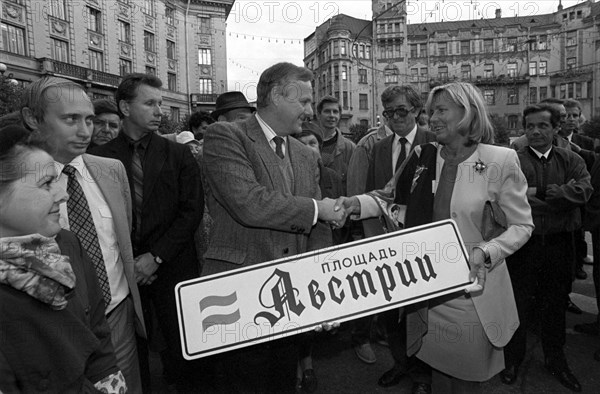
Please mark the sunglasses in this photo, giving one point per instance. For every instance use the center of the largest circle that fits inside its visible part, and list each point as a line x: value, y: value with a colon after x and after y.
x: 400, y: 112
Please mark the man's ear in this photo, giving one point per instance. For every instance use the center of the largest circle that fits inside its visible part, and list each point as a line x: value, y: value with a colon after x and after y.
x: 29, y: 118
x: 124, y: 107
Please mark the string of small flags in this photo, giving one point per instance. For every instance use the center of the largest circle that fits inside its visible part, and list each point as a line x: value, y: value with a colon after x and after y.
x: 239, y: 65
x: 253, y: 37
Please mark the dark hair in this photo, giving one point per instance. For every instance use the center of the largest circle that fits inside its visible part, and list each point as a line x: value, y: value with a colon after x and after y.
x: 127, y: 89
x: 36, y: 96
x: 197, y: 118
x: 412, y: 96
x: 328, y: 100
x: 15, y: 143
x: 552, y: 100
x: 533, y: 109
x: 278, y: 76
x: 105, y: 106
x: 570, y: 103
x: 12, y: 118
x: 306, y: 131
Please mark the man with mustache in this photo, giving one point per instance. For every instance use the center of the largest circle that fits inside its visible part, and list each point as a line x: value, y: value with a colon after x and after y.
x: 168, y: 203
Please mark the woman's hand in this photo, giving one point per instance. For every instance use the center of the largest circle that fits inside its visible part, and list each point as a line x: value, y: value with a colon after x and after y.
x: 478, y: 271
x: 326, y: 326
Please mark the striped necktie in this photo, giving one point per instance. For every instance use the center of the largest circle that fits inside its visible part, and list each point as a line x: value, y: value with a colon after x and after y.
x: 278, y: 146
x: 137, y: 173
x: 82, y: 224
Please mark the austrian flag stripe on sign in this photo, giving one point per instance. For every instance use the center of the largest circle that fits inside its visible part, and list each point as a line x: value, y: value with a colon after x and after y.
x: 276, y: 299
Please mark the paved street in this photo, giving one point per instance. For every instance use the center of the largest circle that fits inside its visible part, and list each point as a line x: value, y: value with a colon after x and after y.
x: 340, y: 371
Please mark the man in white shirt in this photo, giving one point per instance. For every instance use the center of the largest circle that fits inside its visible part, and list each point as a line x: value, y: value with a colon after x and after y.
x: 61, y: 115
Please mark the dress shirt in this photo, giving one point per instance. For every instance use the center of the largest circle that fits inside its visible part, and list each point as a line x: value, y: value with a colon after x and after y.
x: 102, y: 217
x: 540, y: 154
x: 410, y: 138
x: 269, y: 135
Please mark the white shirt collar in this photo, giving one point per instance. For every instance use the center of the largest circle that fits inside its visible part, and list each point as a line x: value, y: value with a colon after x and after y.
x: 540, y: 154
x: 77, y: 163
x: 410, y: 137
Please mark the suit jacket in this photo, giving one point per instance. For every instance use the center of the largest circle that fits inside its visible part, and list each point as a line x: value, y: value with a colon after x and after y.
x: 172, y: 207
x: 504, y: 182
x: 583, y: 141
x: 381, y: 171
x: 254, y: 221
x: 111, y: 178
x: 340, y: 160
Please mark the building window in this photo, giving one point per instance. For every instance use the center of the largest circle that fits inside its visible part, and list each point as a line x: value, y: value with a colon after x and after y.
x: 533, y: 95
x: 571, y: 38
x: 94, y: 20
x: 336, y: 49
x: 414, y: 73
x: 391, y: 75
x: 465, y: 70
x: 563, y: 91
x: 170, y: 15
x: 513, y: 95
x: 149, y: 7
x: 465, y: 47
x: 363, y: 101
x: 443, y: 72
x: 96, y: 60
x: 345, y: 100
x: 367, y: 52
x: 577, y: 90
x: 571, y: 90
x: 512, y: 70
x: 423, y: 50
x: 13, y: 39
x: 336, y: 73
x: 571, y: 63
x: 390, y: 50
x: 206, y: 86
x: 362, y: 75
x: 424, y: 73
x: 579, y: 14
x: 204, y: 25
x: 343, y: 48
x: 442, y: 46
x: 361, y: 54
x: 60, y: 50
x: 543, y: 93
x: 172, y: 81
x: 413, y: 51
x: 488, y: 70
x: 513, y: 121
x: 344, y: 73
x: 149, y: 41
x: 490, y: 96
x: 125, y: 32
x: 543, y: 67
x: 124, y: 67
x: 532, y: 68
x: 512, y: 44
x: 170, y: 49
x: 204, y: 56
x: 543, y: 43
x: 175, y: 114
x: 58, y: 9
x: 355, y: 51
x: 151, y: 70
x: 488, y: 46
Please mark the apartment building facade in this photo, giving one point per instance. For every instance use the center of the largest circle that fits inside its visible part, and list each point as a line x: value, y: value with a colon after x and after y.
x: 96, y: 42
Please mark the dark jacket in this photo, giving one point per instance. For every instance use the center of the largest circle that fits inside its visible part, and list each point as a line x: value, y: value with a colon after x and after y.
x: 44, y: 350
x: 557, y: 213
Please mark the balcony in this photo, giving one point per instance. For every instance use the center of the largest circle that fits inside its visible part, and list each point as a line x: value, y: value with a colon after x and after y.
x: 203, y: 98
x: 395, y: 35
x: 81, y: 73
x: 501, y: 80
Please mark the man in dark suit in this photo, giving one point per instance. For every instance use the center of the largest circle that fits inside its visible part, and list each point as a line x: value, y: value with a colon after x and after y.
x: 167, y: 208
x: 402, y: 105
x: 263, y: 194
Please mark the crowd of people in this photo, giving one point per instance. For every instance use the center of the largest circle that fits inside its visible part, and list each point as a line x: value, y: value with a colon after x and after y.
x: 101, y: 217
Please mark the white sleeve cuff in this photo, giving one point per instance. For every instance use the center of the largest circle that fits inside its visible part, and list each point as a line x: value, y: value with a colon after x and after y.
x: 368, y: 207
x: 316, y: 216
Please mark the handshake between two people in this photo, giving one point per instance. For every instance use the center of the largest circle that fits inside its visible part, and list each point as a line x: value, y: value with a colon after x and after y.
x: 335, y: 212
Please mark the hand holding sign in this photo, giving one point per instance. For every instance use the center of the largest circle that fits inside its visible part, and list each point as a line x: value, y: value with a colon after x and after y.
x: 478, y: 271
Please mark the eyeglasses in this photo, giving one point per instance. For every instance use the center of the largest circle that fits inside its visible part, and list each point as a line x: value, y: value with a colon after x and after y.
x: 400, y: 112
x: 572, y: 116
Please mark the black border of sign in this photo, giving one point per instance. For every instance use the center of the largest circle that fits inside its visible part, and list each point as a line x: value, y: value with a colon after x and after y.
x: 178, y: 288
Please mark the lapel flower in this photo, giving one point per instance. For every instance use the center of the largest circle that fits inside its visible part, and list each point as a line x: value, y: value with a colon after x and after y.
x: 480, y: 167
x: 418, y: 172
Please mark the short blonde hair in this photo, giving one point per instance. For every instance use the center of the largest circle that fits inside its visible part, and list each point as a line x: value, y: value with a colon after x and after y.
x: 475, y: 124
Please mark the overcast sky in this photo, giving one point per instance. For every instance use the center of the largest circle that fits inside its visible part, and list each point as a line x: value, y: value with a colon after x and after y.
x: 261, y: 33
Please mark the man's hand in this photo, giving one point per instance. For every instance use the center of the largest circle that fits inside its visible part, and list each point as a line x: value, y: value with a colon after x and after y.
x: 145, y: 267
x: 478, y: 271
x: 327, y: 213
x: 350, y: 204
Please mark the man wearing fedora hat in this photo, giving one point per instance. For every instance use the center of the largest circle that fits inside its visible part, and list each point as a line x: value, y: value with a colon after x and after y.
x: 232, y: 107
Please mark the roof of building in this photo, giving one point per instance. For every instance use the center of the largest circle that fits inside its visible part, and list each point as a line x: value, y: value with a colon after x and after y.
x: 354, y: 25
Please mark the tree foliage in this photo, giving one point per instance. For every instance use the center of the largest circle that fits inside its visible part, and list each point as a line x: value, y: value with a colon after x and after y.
x: 10, y: 96
x: 591, y: 128
x: 357, y: 131
x: 501, y: 134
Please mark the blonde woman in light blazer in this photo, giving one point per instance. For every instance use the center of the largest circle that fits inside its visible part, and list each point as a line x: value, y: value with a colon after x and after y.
x: 462, y: 334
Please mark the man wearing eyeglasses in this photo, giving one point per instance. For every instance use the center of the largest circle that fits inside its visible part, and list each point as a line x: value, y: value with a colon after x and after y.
x: 402, y: 105
x: 107, y: 122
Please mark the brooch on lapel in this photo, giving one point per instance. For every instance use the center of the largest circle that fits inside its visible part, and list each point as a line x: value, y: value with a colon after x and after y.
x: 480, y: 166
x: 418, y: 172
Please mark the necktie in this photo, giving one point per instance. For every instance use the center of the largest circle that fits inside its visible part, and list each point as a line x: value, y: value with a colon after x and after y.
x: 82, y: 224
x: 541, y: 192
x: 278, y: 146
x: 137, y: 173
x: 402, y: 155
